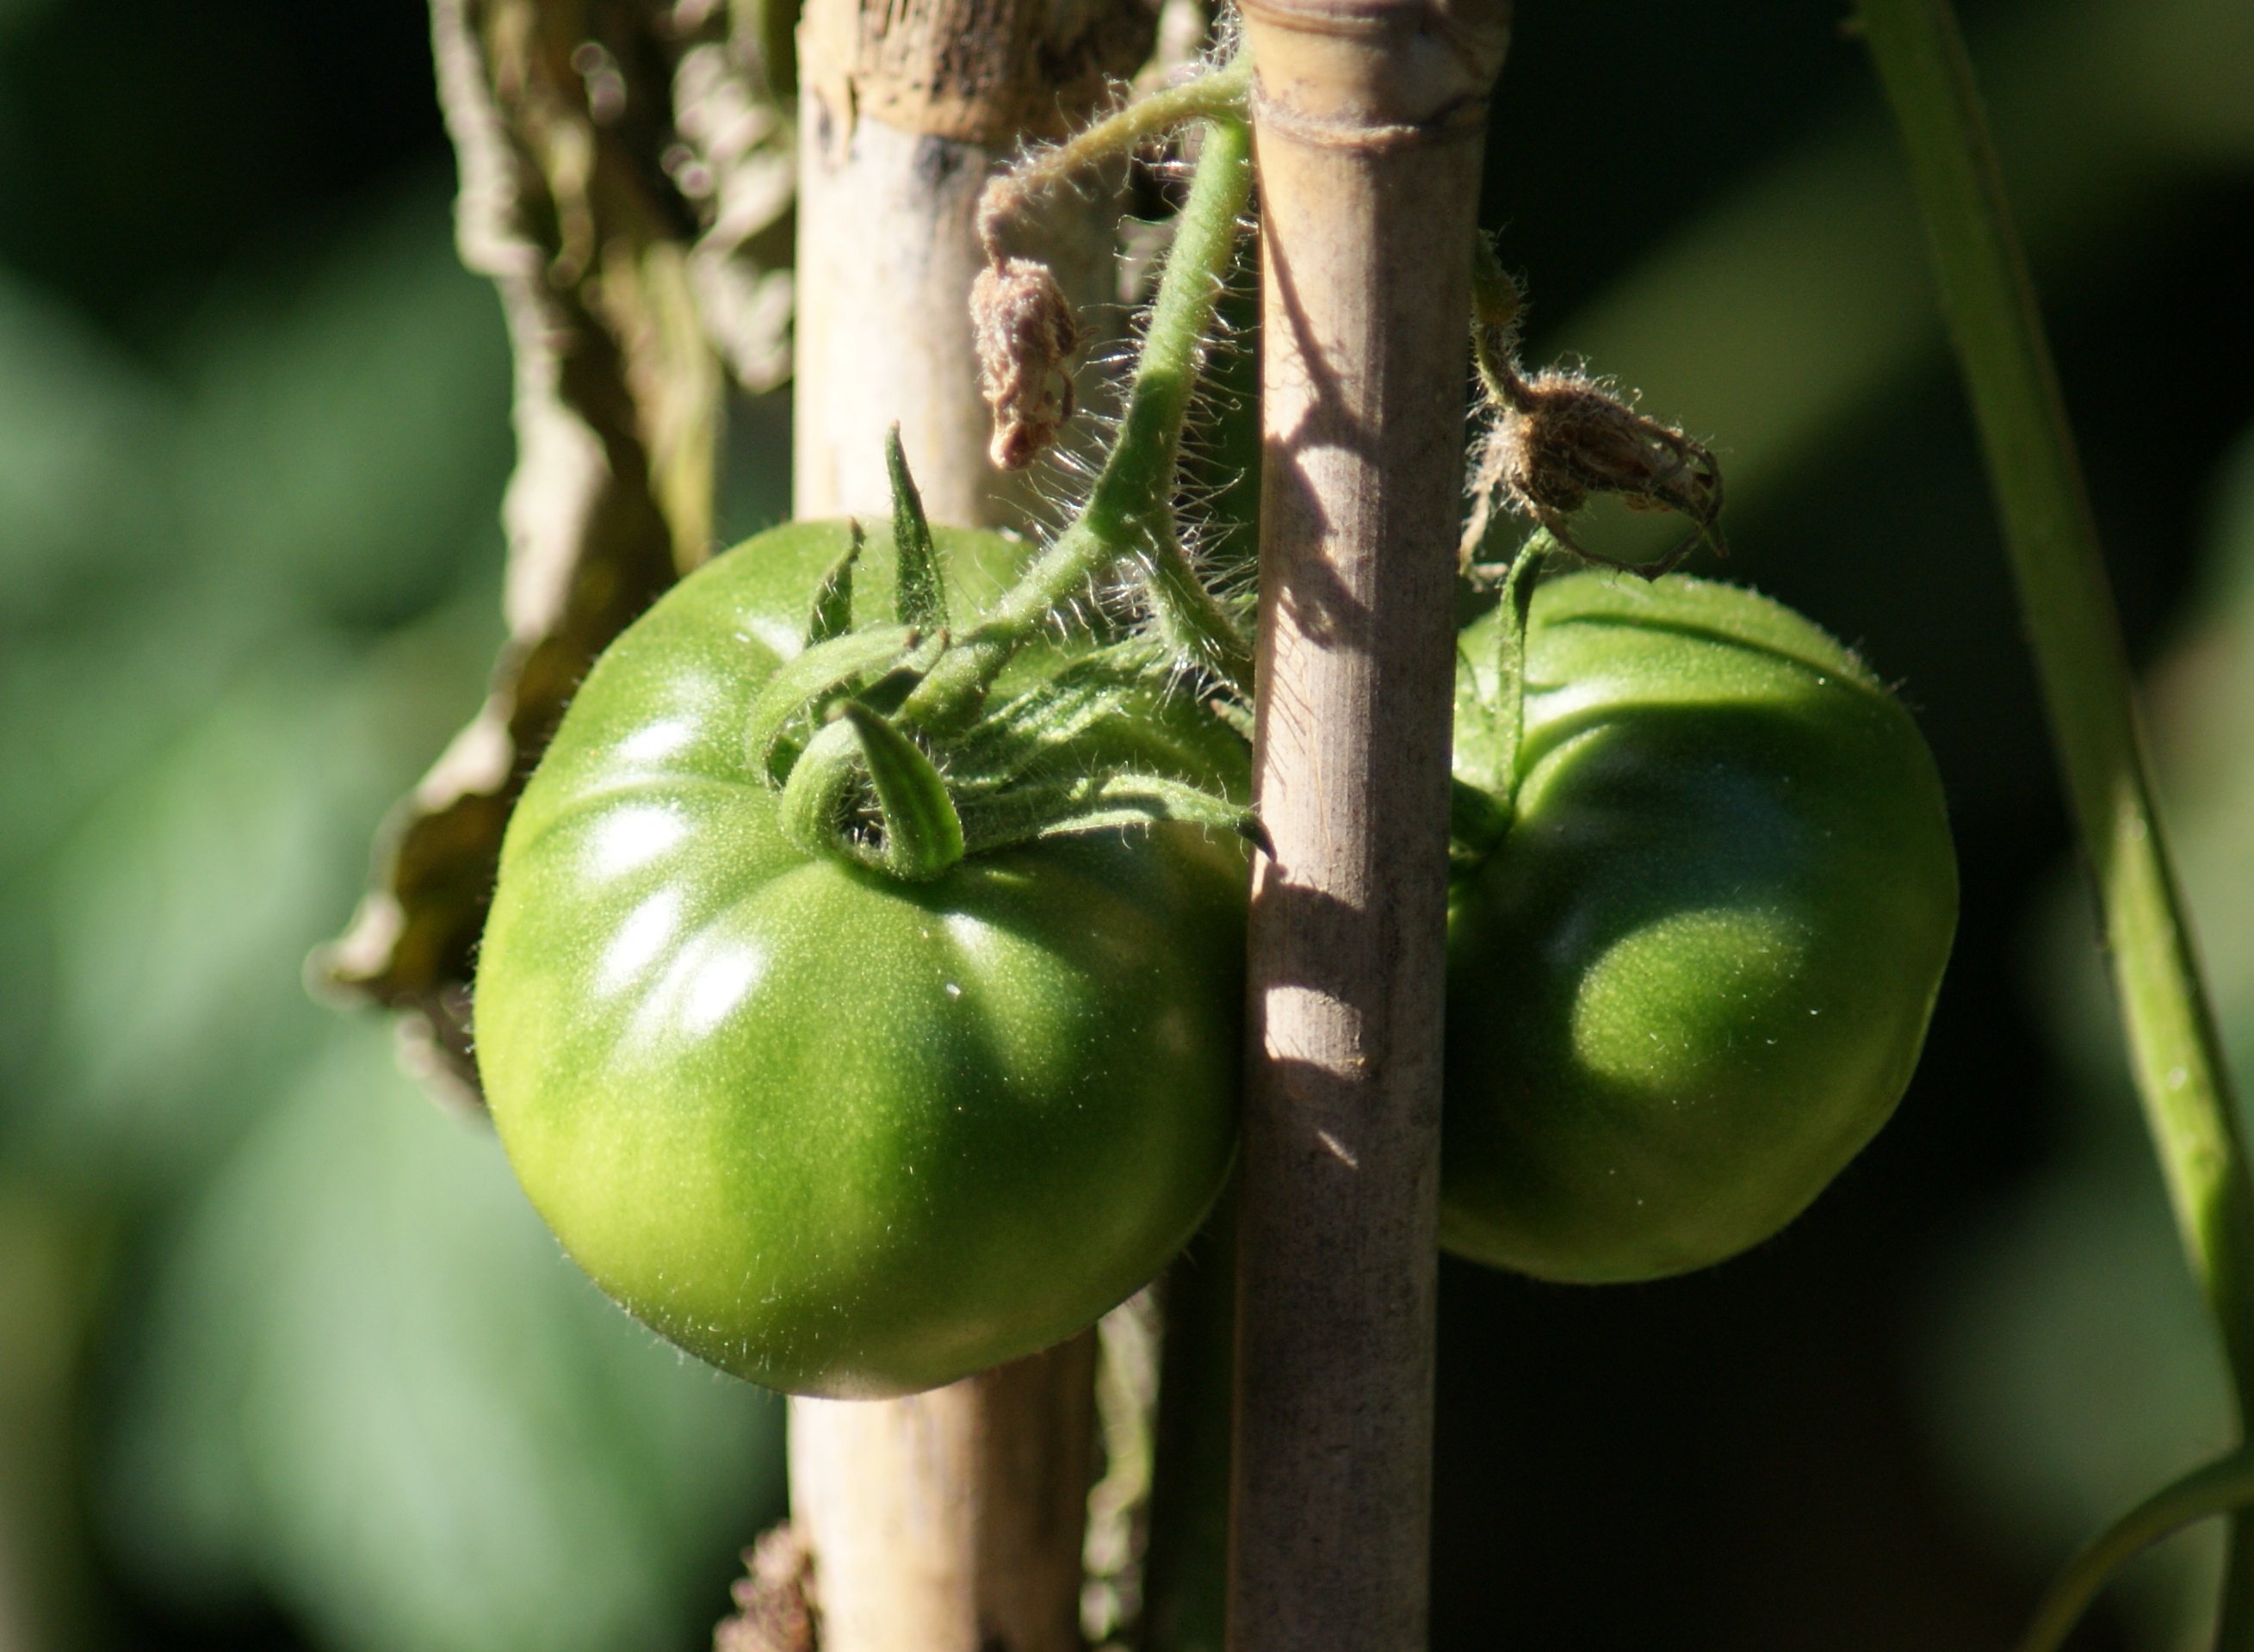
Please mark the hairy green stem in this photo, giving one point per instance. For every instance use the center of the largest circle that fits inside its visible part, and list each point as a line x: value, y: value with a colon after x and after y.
x: 2067, y: 611
x: 1495, y: 305
x: 2217, y: 1488
x: 1135, y: 489
x: 1221, y: 91
x: 1193, y: 620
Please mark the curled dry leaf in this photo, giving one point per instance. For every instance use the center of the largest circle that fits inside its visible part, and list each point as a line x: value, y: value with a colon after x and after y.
x: 563, y: 131
x: 735, y: 160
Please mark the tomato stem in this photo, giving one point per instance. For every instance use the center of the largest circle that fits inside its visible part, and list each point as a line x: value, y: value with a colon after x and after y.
x: 2220, y: 1487
x: 2067, y: 610
x: 1130, y: 511
x: 1221, y: 91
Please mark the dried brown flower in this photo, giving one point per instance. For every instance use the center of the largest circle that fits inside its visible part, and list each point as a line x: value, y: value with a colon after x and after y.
x: 1027, y: 336
x: 1554, y: 439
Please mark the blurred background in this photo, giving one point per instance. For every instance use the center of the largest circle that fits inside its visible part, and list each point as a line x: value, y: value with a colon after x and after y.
x: 286, y: 1363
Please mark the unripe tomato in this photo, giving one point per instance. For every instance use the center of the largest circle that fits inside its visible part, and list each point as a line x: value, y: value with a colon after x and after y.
x: 1694, y: 977
x: 835, y: 1132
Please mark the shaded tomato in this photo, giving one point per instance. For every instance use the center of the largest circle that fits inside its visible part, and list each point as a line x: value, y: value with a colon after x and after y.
x: 1694, y: 977
x: 835, y: 1132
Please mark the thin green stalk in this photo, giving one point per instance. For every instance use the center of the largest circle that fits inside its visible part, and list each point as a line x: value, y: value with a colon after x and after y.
x: 1221, y: 91
x: 1192, y: 619
x: 1137, y: 482
x: 2217, y: 1488
x: 2067, y: 611
x: 1495, y: 304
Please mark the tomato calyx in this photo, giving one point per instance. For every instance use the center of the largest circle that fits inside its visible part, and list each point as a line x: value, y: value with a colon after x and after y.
x: 859, y: 779
x: 882, y: 740
x: 1551, y: 440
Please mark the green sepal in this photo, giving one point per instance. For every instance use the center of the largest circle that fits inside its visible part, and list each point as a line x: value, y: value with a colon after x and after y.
x: 1194, y: 623
x: 920, y: 594
x: 858, y: 758
x: 1493, y: 708
x: 883, y: 694
x: 1114, y: 801
x: 1511, y: 668
x: 802, y: 689
x: 824, y: 793
x: 922, y: 834
x: 832, y: 616
x: 1235, y: 716
x: 1013, y: 738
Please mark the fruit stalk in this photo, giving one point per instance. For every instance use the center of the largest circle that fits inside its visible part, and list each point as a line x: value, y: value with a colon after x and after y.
x: 949, y: 1521
x: 2067, y: 608
x: 1368, y: 121
x: 1129, y: 512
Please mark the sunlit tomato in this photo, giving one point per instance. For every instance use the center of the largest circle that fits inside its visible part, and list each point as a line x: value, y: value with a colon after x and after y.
x: 837, y: 1133
x: 1694, y: 977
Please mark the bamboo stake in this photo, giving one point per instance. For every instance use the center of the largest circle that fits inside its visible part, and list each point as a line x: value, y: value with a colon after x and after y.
x: 1368, y: 117
x: 948, y: 1522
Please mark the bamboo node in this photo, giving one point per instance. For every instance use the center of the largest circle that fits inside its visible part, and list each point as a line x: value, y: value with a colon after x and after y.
x: 1374, y: 74
x: 1466, y: 115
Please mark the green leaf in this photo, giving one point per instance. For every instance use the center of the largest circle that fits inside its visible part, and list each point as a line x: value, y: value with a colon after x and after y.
x: 369, y: 1382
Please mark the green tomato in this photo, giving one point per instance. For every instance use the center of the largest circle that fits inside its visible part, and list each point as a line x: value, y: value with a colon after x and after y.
x: 1693, y: 979
x: 835, y: 1132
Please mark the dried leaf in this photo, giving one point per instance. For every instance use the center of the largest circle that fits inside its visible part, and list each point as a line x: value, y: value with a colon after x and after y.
x: 736, y: 160
x: 561, y: 121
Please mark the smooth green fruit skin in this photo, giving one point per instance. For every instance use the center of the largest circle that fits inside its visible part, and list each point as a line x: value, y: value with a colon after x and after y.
x: 839, y: 1134
x: 1695, y: 978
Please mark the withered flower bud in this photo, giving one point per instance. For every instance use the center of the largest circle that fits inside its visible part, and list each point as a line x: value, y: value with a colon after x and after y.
x: 1027, y: 336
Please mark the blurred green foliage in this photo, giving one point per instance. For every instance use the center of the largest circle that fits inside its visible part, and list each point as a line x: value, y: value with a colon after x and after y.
x: 282, y: 1337
x: 2073, y: 1363
x: 285, y: 1360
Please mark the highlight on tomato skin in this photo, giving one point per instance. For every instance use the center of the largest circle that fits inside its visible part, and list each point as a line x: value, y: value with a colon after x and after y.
x: 834, y: 1131
x: 1694, y: 979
